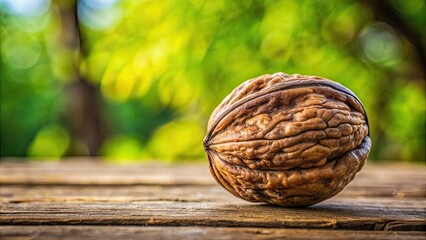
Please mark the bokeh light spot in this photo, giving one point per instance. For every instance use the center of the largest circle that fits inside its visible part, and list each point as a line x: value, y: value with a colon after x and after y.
x: 177, y: 140
x: 102, y: 16
x: 275, y: 45
x: 21, y: 51
x: 380, y: 44
x: 51, y: 141
x: 123, y: 148
x: 26, y: 8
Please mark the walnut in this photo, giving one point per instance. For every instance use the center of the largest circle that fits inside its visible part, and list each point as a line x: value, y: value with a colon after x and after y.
x: 290, y: 140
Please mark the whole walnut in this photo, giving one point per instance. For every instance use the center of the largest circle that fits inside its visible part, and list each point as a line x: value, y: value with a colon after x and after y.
x: 290, y: 140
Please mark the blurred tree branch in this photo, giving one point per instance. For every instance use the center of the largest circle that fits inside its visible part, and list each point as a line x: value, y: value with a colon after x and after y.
x: 83, y: 113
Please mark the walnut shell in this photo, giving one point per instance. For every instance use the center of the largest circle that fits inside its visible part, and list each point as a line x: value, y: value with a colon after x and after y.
x: 290, y: 140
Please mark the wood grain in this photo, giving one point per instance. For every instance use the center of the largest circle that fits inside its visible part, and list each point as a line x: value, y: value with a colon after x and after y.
x: 100, y: 173
x: 19, y: 194
x: 76, y: 198
x: 360, y: 213
x: 224, y: 233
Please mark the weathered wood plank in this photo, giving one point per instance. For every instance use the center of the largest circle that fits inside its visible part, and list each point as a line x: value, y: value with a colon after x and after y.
x: 172, y: 233
x: 20, y: 194
x: 100, y: 173
x: 94, y: 193
x: 360, y: 213
x: 210, y: 193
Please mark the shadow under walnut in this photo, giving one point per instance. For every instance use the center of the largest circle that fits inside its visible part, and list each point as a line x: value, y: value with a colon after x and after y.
x: 290, y: 140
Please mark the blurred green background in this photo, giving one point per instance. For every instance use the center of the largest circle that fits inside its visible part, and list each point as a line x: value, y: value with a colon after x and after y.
x: 133, y: 80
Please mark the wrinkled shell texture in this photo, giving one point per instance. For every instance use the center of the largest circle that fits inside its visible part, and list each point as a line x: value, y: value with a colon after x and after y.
x: 290, y: 140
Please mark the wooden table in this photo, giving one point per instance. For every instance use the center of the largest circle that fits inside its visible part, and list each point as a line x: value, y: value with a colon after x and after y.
x: 94, y: 200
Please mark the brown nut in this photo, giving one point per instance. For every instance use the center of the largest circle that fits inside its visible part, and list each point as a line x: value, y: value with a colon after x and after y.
x: 290, y: 140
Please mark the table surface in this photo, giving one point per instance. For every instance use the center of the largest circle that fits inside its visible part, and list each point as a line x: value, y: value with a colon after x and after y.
x: 90, y: 198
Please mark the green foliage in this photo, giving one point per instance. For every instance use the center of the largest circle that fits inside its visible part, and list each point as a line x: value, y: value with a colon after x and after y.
x: 161, y: 67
